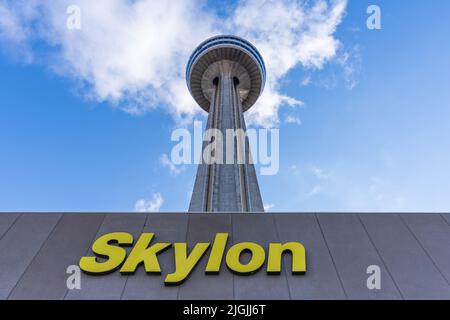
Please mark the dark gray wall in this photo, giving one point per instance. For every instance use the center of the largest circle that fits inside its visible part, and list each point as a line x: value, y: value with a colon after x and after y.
x: 412, y: 251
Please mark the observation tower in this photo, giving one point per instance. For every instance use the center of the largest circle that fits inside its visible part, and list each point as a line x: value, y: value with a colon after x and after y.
x: 226, y: 75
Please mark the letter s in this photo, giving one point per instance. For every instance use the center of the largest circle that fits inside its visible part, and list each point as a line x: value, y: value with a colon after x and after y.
x: 102, y: 247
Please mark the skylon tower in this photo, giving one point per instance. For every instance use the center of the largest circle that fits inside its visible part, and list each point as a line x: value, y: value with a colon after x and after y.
x: 226, y: 75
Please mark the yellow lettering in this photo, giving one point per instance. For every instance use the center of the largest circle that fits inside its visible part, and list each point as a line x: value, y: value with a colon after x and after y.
x: 184, y: 263
x: 141, y: 253
x: 256, y: 260
x: 298, y: 254
x: 103, y: 248
x: 216, y: 256
x: 110, y: 255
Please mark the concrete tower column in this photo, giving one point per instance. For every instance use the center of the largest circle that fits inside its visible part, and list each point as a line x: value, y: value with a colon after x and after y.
x: 227, y: 76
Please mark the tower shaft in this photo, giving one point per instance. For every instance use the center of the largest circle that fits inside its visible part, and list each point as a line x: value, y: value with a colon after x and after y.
x: 221, y: 186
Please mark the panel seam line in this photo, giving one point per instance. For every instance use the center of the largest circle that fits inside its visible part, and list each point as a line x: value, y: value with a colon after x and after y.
x: 423, y: 248
x: 331, y: 256
x: 34, y: 258
x: 381, y: 257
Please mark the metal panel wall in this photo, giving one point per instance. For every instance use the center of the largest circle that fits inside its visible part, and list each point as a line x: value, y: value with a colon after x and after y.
x: 412, y: 251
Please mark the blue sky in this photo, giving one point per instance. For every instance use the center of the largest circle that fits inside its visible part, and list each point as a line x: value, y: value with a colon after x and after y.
x: 374, y: 133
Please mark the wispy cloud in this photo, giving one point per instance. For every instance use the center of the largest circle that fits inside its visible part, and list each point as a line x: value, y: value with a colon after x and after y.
x: 149, y: 205
x: 319, y: 173
x: 350, y: 61
x: 294, y: 169
x: 292, y: 120
x: 167, y: 163
x: 312, y: 179
x: 132, y: 54
x: 315, y: 190
x: 268, y: 207
x: 305, y: 81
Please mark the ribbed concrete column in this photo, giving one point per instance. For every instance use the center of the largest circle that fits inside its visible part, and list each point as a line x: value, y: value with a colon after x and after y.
x: 225, y: 187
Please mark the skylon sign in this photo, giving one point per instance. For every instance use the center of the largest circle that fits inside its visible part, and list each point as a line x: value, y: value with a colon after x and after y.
x: 110, y: 247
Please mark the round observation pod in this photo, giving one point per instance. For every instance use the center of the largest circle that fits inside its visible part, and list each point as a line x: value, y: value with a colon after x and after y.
x: 232, y: 55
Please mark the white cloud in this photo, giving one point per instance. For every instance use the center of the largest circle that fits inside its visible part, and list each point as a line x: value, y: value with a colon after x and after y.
x: 306, y: 81
x: 382, y: 197
x: 268, y: 207
x: 350, y: 61
x: 287, y: 33
x: 318, y: 173
x: 132, y: 54
x: 295, y: 170
x: 10, y: 27
x: 167, y: 163
x: 149, y: 205
x: 292, y: 120
x: 315, y: 190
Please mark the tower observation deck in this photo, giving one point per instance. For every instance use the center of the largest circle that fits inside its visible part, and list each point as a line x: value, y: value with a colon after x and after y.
x: 226, y: 75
